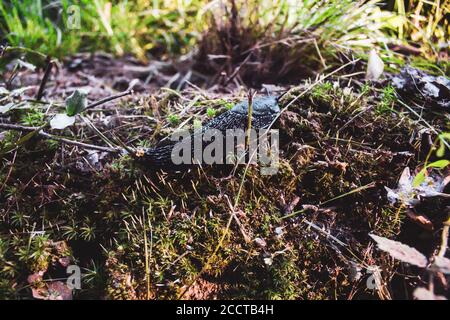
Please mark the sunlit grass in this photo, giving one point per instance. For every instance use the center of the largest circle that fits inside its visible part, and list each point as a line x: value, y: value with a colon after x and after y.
x: 161, y: 27
x: 119, y: 27
x: 425, y: 23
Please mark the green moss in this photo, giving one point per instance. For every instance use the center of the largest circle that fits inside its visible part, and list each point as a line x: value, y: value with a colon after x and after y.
x: 174, y: 119
x: 211, y: 112
x: 387, y: 100
x: 33, y: 118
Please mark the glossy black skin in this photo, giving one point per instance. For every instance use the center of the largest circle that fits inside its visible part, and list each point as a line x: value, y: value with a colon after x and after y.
x: 264, y: 111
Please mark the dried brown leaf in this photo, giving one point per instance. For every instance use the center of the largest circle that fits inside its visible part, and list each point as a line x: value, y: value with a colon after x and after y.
x: 441, y: 264
x: 425, y: 294
x: 400, y: 251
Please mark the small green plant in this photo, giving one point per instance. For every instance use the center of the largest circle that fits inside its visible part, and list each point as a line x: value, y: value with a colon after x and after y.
x: 70, y: 232
x: 37, y: 255
x: 174, y: 119
x: 19, y: 219
x: 227, y: 105
x: 75, y: 104
x: 387, y: 100
x: 9, y: 139
x: 30, y: 24
x: 197, y: 124
x: 442, y: 139
x: 143, y: 143
x: 210, y: 112
x: 94, y: 277
x: 33, y: 117
x: 322, y: 91
x: 121, y: 165
x: 365, y: 89
x: 420, y: 177
x: 88, y: 231
x: 52, y: 144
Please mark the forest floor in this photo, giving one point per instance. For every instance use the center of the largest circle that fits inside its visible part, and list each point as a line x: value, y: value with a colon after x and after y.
x: 213, y: 232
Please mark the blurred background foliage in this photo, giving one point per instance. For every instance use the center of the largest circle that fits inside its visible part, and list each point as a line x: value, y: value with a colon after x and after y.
x: 164, y: 28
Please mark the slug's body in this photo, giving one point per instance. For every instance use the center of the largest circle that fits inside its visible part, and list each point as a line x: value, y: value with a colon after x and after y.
x: 264, y: 112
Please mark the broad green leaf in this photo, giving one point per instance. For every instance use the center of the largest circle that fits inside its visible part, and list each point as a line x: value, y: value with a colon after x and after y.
x: 442, y: 137
x: 441, y: 151
x: 440, y: 164
x: 76, y: 102
x: 61, y: 121
x: 420, y: 177
x: 445, y: 136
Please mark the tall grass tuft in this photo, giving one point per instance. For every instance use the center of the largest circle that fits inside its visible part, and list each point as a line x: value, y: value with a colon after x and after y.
x: 137, y: 27
x: 272, y: 41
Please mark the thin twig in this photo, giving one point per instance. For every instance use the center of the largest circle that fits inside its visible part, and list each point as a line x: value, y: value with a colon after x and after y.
x: 420, y: 118
x: 309, y: 88
x: 48, y: 70
x: 444, y: 241
x: 236, y: 71
x: 249, y: 115
x: 110, y: 98
x: 77, y: 143
x: 46, y: 135
x: 9, y: 171
x: 17, y: 127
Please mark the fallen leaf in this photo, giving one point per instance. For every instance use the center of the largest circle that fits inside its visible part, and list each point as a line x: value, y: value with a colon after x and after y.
x: 411, y: 189
x: 35, y: 277
x: 441, y: 264
x: 400, y: 251
x: 64, y: 261
x: 61, y: 121
x: 425, y: 294
x: 59, y: 291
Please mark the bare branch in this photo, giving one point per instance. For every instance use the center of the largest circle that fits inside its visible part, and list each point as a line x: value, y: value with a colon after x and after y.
x: 46, y: 135
x: 110, y: 98
x: 48, y: 70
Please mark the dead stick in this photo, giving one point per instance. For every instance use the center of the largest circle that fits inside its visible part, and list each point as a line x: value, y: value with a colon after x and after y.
x: 238, y: 68
x: 444, y: 241
x: 110, y: 98
x: 249, y: 116
x: 46, y: 135
x: 48, y: 69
